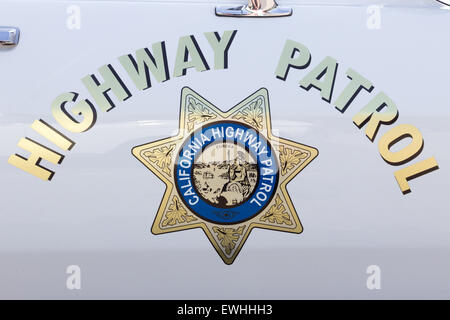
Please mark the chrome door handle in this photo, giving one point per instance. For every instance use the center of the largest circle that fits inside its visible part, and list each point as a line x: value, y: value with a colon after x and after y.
x: 255, y: 8
x: 9, y: 36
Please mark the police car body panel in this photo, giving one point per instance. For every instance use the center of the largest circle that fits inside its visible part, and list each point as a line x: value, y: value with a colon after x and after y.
x: 374, y: 196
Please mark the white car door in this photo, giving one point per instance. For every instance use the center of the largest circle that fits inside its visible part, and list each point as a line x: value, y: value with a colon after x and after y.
x: 100, y: 100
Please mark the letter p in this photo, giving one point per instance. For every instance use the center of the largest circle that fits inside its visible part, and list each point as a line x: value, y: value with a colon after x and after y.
x: 294, y: 55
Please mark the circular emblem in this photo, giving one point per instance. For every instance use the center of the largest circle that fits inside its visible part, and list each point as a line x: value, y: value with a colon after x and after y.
x: 226, y: 172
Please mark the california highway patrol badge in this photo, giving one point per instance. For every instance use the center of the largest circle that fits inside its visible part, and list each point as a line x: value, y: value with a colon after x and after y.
x: 225, y: 172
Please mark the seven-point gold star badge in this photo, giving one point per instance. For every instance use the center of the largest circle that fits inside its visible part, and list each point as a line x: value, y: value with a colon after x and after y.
x: 225, y: 172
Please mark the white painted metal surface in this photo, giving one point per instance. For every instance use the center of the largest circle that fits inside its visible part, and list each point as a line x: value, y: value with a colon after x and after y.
x: 98, y: 209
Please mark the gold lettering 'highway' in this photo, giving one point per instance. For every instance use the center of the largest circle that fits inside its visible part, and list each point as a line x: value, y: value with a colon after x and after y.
x: 76, y: 115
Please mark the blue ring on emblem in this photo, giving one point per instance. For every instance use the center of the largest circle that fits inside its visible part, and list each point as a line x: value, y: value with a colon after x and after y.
x: 227, y: 132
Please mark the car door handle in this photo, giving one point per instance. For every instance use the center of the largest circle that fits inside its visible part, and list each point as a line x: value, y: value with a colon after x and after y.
x: 9, y: 36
